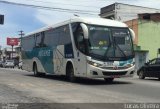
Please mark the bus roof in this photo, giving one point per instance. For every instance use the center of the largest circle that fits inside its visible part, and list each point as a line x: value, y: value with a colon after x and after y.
x: 99, y: 21
x: 94, y: 21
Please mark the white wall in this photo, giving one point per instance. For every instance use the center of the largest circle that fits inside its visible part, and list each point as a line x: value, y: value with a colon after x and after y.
x: 128, y: 12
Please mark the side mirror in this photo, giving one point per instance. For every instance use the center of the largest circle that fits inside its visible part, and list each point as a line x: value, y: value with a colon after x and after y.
x: 132, y: 34
x: 149, y: 61
x: 85, y: 30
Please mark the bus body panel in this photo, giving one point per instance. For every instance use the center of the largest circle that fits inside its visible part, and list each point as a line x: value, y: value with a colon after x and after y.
x: 53, y: 60
x: 59, y: 60
x: 44, y: 59
x: 27, y: 65
x: 80, y: 63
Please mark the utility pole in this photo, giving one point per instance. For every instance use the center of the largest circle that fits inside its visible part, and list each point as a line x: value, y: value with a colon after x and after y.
x: 158, y: 53
x: 21, y: 35
x: 12, y: 52
x: 0, y: 53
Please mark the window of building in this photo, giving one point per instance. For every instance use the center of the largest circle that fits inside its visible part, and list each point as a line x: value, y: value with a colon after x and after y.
x: 146, y: 17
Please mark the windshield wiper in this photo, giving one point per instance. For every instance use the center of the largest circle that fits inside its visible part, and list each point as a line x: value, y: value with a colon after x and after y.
x: 106, y: 52
x: 120, y: 48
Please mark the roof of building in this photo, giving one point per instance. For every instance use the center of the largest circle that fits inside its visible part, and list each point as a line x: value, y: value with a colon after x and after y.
x: 149, y: 14
x: 116, y: 3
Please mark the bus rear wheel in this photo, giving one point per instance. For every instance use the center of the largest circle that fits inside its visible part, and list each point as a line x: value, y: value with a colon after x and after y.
x: 35, y: 71
x: 70, y: 73
x: 109, y: 80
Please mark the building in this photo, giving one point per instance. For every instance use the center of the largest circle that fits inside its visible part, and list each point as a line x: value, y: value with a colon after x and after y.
x: 7, y: 53
x: 146, y: 24
x: 125, y: 12
x: 18, y: 52
x: 147, y: 29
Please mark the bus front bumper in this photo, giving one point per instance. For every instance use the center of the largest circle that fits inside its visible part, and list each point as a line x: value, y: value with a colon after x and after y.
x: 96, y: 72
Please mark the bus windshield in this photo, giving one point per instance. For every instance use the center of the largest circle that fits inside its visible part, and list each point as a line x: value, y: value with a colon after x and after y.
x: 110, y: 43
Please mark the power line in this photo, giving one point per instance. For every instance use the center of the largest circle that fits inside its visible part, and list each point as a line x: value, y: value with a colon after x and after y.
x: 52, y: 8
x: 14, y: 3
x: 62, y: 3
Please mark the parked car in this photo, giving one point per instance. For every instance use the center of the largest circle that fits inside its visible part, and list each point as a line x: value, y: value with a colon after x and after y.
x: 150, y: 69
x: 1, y: 63
x: 8, y: 63
x: 20, y: 65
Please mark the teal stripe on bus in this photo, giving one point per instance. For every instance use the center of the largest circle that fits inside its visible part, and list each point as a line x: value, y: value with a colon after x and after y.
x: 45, y: 56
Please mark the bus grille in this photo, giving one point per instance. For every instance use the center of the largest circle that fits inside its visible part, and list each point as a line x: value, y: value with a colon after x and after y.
x: 112, y: 68
x: 114, y: 73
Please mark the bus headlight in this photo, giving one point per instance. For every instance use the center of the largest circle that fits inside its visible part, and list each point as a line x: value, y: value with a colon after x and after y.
x: 130, y: 65
x: 133, y: 64
x: 94, y: 63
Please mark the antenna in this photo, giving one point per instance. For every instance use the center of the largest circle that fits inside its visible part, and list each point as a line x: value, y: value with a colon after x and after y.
x: 76, y: 15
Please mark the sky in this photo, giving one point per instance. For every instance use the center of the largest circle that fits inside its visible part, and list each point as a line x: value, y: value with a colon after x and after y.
x: 30, y: 19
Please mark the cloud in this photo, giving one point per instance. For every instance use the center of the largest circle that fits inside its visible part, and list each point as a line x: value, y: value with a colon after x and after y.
x: 51, y: 17
x: 16, y: 19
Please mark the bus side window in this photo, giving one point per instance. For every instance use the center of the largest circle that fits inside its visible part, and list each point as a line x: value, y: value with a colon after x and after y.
x: 38, y: 40
x: 28, y: 43
x: 51, y: 37
x: 42, y: 44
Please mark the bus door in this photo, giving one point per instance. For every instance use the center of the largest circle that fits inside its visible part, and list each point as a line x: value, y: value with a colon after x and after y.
x: 80, y: 57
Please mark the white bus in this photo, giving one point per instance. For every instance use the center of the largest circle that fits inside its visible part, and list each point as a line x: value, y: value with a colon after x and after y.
x: 81, y: 47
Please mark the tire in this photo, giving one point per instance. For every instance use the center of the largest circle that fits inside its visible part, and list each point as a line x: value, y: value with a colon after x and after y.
x: 70, y: 73
x: 141, y: 75
x: 109, y: 80
x: 35, y: 71
x: 19, y: 67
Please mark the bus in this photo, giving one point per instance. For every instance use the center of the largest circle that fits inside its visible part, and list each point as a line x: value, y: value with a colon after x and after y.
x: 81, y: 47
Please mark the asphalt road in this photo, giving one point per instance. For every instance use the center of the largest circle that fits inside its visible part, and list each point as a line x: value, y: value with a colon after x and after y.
x: 19, y: 86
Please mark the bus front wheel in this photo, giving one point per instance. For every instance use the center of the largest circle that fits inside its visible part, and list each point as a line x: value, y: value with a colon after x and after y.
x: 70, y: 73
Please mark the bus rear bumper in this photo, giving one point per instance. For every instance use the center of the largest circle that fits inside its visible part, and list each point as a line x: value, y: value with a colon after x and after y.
x: 96, y: 72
